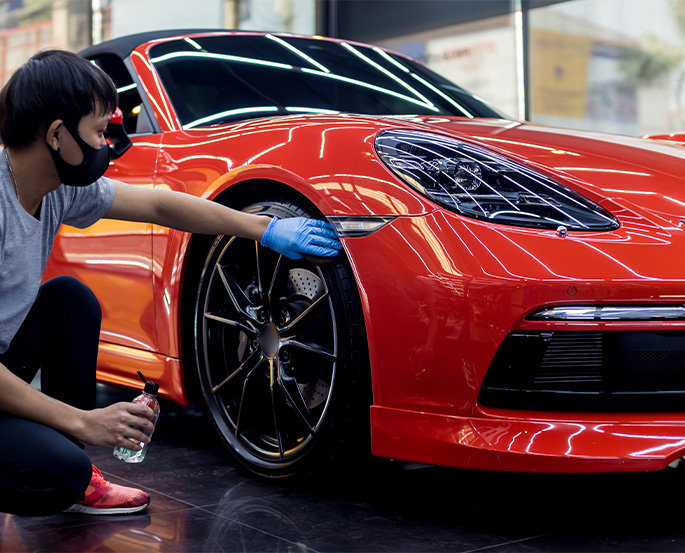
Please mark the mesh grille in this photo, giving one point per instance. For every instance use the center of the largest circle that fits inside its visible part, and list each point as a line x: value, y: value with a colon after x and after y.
x: 666, y: 361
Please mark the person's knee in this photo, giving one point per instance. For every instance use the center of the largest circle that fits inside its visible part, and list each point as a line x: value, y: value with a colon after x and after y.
x: 49, y: 487
x: 74, y: 471
x: 74, y: 296
x: 66, y: 469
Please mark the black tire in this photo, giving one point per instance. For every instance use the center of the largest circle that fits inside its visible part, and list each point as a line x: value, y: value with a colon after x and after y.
x: 280, y: 350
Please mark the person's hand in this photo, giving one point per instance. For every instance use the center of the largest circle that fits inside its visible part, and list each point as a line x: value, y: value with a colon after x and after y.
x: 120, y: 425
x: 297, y: 236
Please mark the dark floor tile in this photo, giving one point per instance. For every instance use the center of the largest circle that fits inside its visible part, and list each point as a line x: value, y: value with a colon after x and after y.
x: 159, y: 504
x: 626, y: 504
x: 197, y: 480
x: 596, y: 544
x: 183, y: 531
x: 225, y: 534
x: 456, y: 510
x: 82, y: 534
x: 346, y: 518
x: 329, y: 526
x: 384, y: 508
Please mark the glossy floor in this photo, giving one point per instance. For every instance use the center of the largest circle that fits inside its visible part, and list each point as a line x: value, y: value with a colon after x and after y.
x: 202, y: 502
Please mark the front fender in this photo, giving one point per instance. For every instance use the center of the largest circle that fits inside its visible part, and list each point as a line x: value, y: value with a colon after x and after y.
x: 331, y: 163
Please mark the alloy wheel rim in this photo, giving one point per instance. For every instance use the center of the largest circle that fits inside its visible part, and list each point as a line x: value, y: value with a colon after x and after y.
x: 268, y: 338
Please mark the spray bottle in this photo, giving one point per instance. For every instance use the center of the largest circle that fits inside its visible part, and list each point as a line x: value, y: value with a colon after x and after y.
x: 149, y: 398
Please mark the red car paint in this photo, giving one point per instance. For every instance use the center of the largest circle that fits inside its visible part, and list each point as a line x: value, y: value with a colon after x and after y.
x: 439, y: 291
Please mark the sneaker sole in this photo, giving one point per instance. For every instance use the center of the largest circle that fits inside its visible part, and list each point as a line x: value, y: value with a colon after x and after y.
x: 77, y: 508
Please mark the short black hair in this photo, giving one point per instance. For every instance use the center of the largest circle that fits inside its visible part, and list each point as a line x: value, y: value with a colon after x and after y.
x: 53, y: 84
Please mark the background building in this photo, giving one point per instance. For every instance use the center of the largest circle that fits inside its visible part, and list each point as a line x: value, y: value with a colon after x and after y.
x: 610, y: 65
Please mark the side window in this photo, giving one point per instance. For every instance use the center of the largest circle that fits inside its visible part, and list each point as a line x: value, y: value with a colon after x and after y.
x: 136, y: 119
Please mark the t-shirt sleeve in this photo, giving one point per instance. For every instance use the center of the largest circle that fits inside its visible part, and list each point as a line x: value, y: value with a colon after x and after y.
x: 2, y: 235
x: 89, y: 203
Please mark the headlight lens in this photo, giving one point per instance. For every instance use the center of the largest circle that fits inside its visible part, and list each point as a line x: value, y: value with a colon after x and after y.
x: 478, y: 183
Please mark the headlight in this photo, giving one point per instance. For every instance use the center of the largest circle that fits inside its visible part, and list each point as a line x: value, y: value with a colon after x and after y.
x: 478, y: 183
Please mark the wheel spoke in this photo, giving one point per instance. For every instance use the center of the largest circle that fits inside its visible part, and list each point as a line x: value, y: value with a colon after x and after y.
x: 244, y: 365
x: 242, y: 398
x: 297, y: 401
x: 313, y: 308
x: 273, y: 278
x: 248, y: 329
x: 260, y: 288
x: 309, y: 346
x: 272, y: 380
x: 238, y: 298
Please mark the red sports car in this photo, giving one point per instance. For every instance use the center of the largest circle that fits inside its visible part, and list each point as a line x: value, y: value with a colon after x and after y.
x: 510, y: 296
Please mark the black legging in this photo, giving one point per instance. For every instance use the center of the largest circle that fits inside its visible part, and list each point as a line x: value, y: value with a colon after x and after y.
x: 43, y: 471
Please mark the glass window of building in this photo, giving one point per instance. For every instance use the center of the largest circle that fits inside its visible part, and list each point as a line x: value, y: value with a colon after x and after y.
x: 114, y: 18
x: 27, y: 26
x: 608, y: 65
x: 291, y: 16
x: 478, y: 56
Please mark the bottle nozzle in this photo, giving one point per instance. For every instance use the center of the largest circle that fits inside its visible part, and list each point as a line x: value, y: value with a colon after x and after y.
x: 150, y: 387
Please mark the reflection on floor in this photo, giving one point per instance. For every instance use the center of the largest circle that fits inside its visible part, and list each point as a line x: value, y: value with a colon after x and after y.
x: 202, y: 502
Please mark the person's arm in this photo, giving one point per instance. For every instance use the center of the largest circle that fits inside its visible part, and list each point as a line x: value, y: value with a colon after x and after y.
x: 291, y: 237
x: 111, y: 426
x: 183, y: 212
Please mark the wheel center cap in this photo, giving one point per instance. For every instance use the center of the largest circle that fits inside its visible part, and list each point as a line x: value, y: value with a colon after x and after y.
x: 269, y: 340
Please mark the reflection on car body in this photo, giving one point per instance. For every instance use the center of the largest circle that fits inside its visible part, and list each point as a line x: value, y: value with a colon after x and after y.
x: 494, y: 305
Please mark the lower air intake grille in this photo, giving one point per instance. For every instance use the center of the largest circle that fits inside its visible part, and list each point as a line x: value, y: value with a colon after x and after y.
x: 588, y: 371
x: 571, y: 357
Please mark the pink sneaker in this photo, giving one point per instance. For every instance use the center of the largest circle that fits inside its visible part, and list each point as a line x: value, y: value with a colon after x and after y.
x: 104, y: 498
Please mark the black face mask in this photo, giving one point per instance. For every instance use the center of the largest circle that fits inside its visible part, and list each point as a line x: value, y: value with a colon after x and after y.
x: 94, y: 164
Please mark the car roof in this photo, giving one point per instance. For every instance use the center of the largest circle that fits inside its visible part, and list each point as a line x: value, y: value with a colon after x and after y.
x: 123, y: 46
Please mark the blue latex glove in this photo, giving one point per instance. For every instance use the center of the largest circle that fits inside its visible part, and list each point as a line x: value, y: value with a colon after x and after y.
x: 295, y: 236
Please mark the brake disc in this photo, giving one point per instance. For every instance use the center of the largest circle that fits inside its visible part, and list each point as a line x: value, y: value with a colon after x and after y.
x: 314, y: 392
x: 302, y: 282
x: 305, y: 284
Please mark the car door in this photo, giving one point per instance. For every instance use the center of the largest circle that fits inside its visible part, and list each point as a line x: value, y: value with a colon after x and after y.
x: 114, y: 258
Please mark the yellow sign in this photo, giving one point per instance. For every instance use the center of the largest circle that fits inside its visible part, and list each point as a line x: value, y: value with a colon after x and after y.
x: 559, y: 68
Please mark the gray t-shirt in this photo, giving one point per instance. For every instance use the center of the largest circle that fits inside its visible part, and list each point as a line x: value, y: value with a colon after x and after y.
x: 26, y: 242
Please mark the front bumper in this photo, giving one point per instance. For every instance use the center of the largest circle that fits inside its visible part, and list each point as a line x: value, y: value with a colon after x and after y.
x: 441, y: 293
x: 528, y: 441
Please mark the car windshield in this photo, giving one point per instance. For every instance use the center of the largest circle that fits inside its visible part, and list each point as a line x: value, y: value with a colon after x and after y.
x: 218, y: 79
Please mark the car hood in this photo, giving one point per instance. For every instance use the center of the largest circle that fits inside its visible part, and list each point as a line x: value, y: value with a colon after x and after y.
x: 613, y: 170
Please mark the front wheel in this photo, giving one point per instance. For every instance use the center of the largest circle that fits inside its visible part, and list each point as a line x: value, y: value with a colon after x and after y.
x: 280, y: 350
